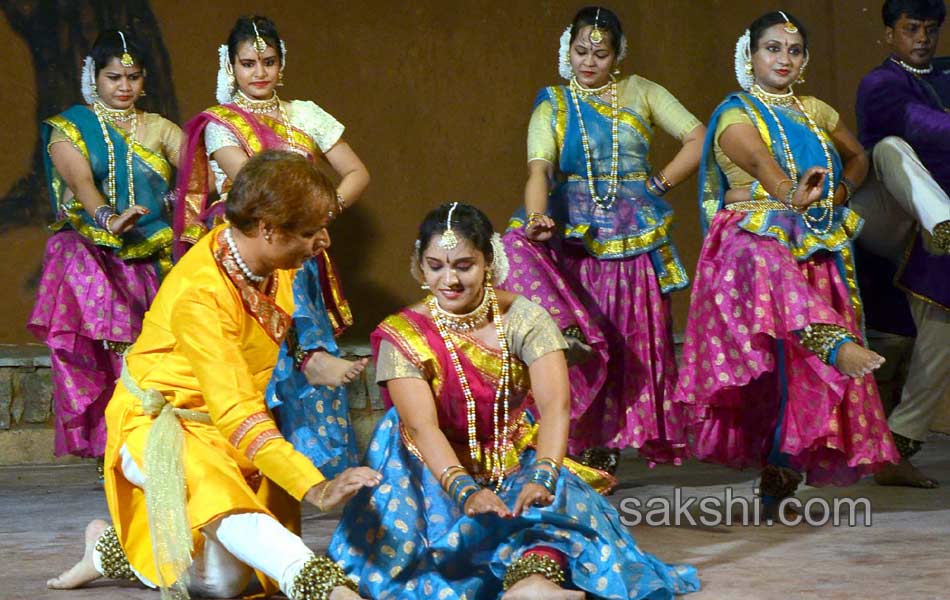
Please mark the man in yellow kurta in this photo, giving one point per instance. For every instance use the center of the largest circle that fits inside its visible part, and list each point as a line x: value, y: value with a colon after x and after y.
x: 190, y: 409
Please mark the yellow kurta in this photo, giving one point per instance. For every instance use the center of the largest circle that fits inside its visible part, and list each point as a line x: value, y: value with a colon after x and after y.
x: 204, y: 351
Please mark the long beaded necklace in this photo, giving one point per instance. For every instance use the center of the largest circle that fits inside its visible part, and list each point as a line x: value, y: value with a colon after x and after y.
x: 826, y: 203
x: 607, y: 201
x: 496, y: 460
x: 103, y: 114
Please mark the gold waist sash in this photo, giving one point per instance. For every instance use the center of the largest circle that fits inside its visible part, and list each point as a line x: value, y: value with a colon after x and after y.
x: 165, y: 496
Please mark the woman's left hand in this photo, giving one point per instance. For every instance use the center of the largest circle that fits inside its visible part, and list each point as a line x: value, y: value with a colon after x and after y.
x: 532, y: 494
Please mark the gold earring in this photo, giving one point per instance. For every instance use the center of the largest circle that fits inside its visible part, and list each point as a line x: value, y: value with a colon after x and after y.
x: 748, y: 67
x: 142, y: 94
x: 801, y: 75
x: 280, y: 79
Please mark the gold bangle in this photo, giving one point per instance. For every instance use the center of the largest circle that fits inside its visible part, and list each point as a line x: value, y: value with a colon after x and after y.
x: 666, y: 182
x: 778, y: 186
x: 322, y: 496
x: 534, y: 217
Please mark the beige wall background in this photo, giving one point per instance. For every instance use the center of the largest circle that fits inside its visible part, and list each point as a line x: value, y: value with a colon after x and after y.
x: 436, y: 98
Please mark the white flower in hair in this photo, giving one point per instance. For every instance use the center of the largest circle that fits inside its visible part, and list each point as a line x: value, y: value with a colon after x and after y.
x: 743, y: 58
x: 623, y: 49
x: 564, y: 55
x: 87, y: 80
x: 283, y: 56
x: 499, y: 263
x: 224, y: 93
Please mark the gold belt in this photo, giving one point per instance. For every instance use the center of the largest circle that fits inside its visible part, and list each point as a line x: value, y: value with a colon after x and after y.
x: 753, y: 205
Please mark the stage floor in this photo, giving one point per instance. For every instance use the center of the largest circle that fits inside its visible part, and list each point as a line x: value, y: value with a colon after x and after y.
x: 903, y: 554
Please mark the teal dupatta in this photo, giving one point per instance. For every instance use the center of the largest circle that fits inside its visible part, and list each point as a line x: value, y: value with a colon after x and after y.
x: 151, y: 174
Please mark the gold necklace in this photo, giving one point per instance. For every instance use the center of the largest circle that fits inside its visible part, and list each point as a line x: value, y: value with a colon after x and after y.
x: 467, y: 322
x: 613, y: 182
x: 496, y: 460
x: 258, y: 107
x: 787, y: 99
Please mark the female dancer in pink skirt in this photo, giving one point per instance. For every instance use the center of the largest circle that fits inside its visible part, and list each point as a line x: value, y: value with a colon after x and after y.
x: 774, y: 369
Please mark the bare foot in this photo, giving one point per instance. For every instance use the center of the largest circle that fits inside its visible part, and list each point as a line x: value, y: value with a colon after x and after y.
x: 341, y: 592
x: 84, y: 571
x: 904, y: 474
x: 325, y: 369
x: 854, y: 360
x: 536, y: 587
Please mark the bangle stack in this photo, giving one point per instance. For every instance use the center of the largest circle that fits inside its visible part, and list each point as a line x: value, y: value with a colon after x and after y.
x: 658, y: 184
x: 787, y: 201
x: 458, y: 484
x: 545, y: 472
x: 104, y: 216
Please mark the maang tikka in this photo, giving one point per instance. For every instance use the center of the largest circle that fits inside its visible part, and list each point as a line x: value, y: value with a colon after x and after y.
x: 449, y: 239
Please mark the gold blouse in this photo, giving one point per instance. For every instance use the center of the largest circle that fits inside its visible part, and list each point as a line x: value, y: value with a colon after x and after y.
x: 529, y: 331
x: 650, y: 100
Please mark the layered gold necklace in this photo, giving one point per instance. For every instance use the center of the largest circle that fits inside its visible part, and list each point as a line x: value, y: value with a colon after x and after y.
x: 445, y: 322
x: 821, y: 224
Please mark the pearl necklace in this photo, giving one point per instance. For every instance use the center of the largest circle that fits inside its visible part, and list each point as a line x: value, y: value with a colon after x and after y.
x: 104, y: 113
x: 826, y: 203
x: 232, y: 245
x: 787, y: 99
x: 613, y: 183
x: 258, y: 107
x: 469, y: 321
x: 915, y: 70
x: 496, y: 460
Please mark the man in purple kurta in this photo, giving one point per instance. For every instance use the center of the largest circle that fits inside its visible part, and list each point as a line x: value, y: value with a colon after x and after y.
x: 903, y: 110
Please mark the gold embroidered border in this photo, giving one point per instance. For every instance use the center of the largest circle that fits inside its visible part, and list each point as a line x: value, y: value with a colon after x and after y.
x: 69, y: 129
x: 560, y: 114
x: 640, y: 242
x: 627, y: 117
x: 412, y: 343
x: 341, y: 304
x: 246, y: 425
x: 265, y: 436
x: 675, y: 276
